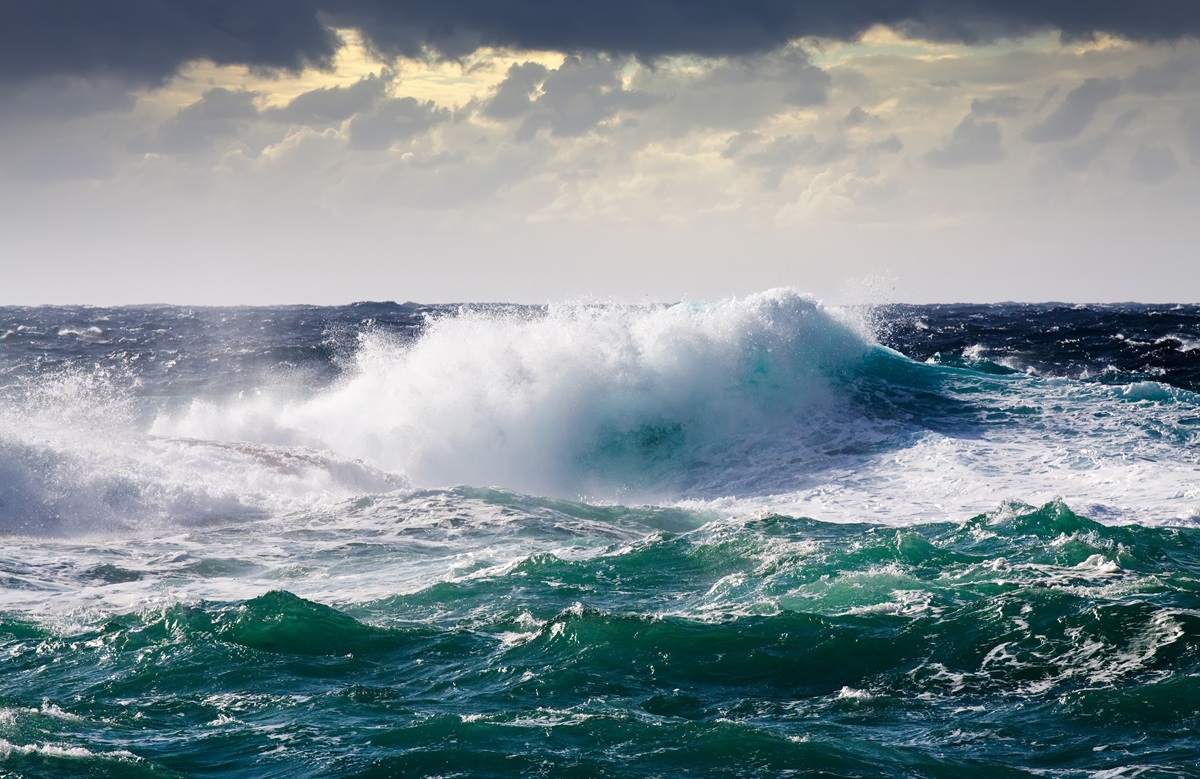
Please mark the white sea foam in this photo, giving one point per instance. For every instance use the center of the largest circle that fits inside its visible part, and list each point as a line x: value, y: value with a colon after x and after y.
x: 581, y: 400
x: 7, y: 749
x: 1186, y: 344
x: 75, y: 458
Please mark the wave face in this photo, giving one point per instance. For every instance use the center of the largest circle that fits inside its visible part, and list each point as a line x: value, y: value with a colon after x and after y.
x: 756, y: 537
x: 1026, y: 642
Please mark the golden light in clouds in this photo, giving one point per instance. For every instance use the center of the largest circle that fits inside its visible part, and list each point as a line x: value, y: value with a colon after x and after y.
x: 454, y: 83
x: 448, y: 83
x: 883, y: 41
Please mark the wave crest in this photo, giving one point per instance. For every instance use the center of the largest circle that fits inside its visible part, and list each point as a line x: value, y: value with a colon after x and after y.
x: 575, y: 399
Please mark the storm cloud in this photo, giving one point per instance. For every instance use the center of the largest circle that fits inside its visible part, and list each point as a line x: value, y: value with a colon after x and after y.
x: 147, y: 41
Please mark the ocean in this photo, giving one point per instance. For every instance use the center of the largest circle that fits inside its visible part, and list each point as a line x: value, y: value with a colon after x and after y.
x: 759, y: 537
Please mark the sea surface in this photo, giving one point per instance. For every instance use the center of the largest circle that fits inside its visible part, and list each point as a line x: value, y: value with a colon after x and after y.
x: 760, y: 537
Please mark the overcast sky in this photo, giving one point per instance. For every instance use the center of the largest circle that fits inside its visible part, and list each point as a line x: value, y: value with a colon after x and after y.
x: 326, y: 151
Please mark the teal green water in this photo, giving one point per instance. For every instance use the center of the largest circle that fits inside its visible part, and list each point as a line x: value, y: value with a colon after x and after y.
x: 1028, y: 642
x: 230, y: 548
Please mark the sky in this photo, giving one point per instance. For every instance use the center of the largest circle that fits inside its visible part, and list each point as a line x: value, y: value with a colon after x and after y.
x: 328, y: 151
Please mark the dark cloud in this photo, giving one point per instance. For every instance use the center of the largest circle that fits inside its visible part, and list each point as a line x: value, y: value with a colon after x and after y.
x: 1075, y: 112
x: 715, y: 27
x: 147, y: 40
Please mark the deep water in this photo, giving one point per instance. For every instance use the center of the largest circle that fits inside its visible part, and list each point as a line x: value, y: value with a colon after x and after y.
x: 753, y: 538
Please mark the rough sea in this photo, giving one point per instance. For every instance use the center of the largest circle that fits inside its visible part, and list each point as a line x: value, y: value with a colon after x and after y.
x: 760, y: 537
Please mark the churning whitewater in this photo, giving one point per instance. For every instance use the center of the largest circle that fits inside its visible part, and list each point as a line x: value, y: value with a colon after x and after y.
x: 755, y: 537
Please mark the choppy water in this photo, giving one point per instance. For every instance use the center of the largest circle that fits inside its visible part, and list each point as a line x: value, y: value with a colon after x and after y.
x: 757, y: 537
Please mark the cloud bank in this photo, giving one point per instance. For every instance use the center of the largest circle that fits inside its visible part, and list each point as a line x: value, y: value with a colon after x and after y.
x: 147, y: 41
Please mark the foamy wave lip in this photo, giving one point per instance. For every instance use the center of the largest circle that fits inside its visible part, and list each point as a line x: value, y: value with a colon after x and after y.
x: 7, y: 749
x: 1150, y: 390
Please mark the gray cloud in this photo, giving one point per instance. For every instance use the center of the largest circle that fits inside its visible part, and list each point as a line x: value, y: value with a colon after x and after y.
x: 1152, y: 164
x: 1001, y: 105
x: 219, y: 113
x: 736, y: 94
x: 739, y: 143
x: 1083, y: 154
x: 1075, y: 112
x: 776, y: 157
x: 1078, y: 157
x: 972, y: 143
x: 60, y: 98
x: 333, y: 104
x: 1191, y: 129
x: 58, y: 161
x: 811, y: 88
x: 574, y: 98
x: 856, y: 116
x: 1164, y: 78
x: 146, y: 41
x: 400, y: 119
x: 889, y: 145
x: 514, y: 96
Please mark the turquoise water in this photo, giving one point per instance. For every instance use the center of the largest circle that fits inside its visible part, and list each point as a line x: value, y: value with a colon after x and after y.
x: 746, y: 539
x: 1030, y: 642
